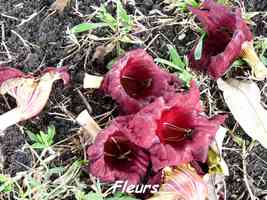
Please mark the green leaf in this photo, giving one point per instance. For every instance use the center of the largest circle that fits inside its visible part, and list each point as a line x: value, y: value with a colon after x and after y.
x: 184, y: 75
x: 107, y: 18
x: 238, y: 63
x: 192, y: 3
x: 93, y: 196
x: 51, y: 132
x: 39, y: 146
x: 170, y: 64
x: 123, y: 18
x: 111, y: 63
x: 6, y: 184
x: 199, y: 47
x: 121, y: 196
x: 32, y: 136
x: 44, y: 137
x: 86, y: 27
x: 175, y: 57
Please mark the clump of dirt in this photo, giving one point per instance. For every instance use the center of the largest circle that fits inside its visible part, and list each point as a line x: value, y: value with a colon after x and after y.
x: 16, y: 159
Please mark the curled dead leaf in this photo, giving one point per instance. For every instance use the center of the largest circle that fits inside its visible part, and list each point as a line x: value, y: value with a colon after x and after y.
x: 244, y: 101
x: 91, y: 81
x: 31, y: 94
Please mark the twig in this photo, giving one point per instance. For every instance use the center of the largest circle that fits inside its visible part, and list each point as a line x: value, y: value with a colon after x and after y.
x: 244, y: 156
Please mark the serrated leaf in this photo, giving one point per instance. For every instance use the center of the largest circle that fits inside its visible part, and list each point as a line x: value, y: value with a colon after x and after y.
x: 86, y: 27
x: 199, y: 47
x: 244, y: 101
x: 32, y: 136
x: 107, y: 18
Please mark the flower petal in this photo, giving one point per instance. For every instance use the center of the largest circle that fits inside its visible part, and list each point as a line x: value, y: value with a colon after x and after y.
x: 7, y: 73
x: 114, y: 157
x: 175, y: 131
x: 227, y: 31
x: 135, y: 80
x: 182, y: 183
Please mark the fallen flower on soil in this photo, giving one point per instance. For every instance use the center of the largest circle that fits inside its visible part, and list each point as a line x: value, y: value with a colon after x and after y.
x: 228, y: 37
x: 175, y: 131
x: 135, y: 81
x: 114, y: 157
x: 181, y: 183
x: 31, y: 93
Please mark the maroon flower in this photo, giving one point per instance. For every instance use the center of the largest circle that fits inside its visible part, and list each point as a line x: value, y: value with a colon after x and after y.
x: 113, y: 157
x: 226, y: 33
x: 135, y: 81
x: 175, y: 131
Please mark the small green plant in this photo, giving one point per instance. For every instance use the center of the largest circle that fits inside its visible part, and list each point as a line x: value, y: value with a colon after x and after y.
x: 180, y: 5
x: 6, y: 184
x: 120, y: 26
x: 96, y: 196
x: 177, y: 64
x: 42, y: 140
x: 261, y: 46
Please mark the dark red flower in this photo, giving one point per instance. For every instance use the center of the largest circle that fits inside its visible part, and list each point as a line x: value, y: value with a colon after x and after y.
x: 226, y: 33
x: 114, y: 157
x: 135, y: 81
x: 174, y: 131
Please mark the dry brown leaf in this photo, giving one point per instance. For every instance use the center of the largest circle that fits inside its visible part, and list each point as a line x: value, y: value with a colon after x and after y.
x: 102, y: 51
x: 60, y: 5
x: 88, y: 124
x: 244, y: 101
x: 91, y: 81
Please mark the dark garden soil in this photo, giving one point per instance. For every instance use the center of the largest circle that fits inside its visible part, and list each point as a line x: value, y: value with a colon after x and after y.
x: 46, y: 45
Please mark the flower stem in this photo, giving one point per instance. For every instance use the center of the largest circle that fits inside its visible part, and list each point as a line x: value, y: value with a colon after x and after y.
x: 250, y: 56
x: 9, y: 118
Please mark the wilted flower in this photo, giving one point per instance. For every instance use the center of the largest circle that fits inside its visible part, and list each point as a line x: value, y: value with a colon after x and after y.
x: 228, y: 37
x: 181, y: 183
x: 114, y: 157
x: 175, y: 131
x: 135, y: 81
x: 31, y: 93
